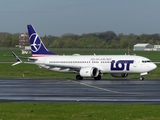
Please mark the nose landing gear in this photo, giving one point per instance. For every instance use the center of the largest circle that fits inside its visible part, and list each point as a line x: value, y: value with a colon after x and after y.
x: 141, y: 78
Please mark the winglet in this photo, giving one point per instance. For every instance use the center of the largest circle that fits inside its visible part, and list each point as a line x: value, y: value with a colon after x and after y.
x: 18, y: 60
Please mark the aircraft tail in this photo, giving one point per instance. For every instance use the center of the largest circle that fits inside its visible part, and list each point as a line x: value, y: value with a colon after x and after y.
x: 37, y: 46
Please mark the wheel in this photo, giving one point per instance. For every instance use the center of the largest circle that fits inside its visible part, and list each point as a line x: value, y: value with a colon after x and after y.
x: 98, y: 77
x: 141, y: 78
x: 78, y: 77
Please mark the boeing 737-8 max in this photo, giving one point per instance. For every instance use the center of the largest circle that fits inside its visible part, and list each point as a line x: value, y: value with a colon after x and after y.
x: 85, y: 65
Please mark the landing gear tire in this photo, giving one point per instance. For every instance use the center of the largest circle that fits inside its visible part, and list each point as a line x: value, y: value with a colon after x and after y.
x: 141, y: 78
x: 78, y: 77
x: 98, y: 77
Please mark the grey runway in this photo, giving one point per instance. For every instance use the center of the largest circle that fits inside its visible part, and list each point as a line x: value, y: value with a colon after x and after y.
x: 112, y: 91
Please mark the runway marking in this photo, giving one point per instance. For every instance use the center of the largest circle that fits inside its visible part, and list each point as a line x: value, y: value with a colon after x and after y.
x: 112, y: 91
x: 107, y: 90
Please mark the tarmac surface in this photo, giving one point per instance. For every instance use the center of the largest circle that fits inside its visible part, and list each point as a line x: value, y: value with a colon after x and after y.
x: 110, y: 91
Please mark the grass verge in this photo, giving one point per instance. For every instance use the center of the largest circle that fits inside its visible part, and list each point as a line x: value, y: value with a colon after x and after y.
x: 40, y: 111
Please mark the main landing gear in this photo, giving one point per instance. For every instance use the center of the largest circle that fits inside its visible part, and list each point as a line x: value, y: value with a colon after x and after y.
x: 78, y: 77
x: 98, y: 77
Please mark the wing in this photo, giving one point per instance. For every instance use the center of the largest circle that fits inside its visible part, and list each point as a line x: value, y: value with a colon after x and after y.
x: 33, y: 61
x: 61, y: 67
x: 76, y: 68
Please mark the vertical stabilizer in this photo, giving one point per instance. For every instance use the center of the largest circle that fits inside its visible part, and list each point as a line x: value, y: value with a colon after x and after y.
x: 37, y: 46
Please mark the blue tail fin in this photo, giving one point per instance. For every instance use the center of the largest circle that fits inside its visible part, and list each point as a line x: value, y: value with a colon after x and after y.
x: 37, y: 46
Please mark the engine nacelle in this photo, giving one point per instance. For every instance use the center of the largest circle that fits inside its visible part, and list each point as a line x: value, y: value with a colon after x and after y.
x: 89, y: 72
x: 119, y: 74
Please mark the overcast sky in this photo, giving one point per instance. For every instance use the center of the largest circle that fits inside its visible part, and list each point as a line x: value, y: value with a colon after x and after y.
x: 57, y: 17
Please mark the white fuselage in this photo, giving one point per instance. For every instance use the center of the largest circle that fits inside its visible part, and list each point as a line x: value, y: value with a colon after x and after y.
x: 104, y: 63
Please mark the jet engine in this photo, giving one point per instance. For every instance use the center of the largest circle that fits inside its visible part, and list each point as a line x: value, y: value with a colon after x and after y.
x: 119, y: 74
x: 89, y: 72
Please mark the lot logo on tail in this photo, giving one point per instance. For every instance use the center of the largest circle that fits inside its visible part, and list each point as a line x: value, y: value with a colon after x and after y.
x: 36, y: 45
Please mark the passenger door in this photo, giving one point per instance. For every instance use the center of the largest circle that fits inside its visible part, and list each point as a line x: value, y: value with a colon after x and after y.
x: 135, y: 63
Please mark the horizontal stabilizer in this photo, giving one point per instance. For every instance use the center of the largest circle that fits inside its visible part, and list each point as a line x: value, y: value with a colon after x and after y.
x: 16, y: 63
x: 17, y: 58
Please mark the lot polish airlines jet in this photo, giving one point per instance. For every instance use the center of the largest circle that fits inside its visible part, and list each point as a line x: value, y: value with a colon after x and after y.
x: 85, y: 65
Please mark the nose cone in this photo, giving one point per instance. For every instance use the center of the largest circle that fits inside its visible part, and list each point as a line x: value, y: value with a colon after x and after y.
x: 153, y: 66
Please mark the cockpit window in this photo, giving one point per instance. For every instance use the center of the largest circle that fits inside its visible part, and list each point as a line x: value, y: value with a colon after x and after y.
x: 146, y: 61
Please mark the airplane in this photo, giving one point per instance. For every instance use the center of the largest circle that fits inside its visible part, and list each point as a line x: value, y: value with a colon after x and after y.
x: 85, y: 65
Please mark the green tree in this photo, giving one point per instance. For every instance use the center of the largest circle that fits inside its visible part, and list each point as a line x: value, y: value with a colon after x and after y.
x: 124, y: 42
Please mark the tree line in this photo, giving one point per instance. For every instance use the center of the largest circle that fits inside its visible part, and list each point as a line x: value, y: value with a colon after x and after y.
x: 99, y: 40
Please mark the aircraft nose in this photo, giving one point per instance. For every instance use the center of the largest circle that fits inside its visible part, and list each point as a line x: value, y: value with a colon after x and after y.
x: 154, y: 66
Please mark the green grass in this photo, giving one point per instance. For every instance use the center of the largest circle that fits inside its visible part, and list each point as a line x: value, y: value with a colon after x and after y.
x: 41, y: 111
